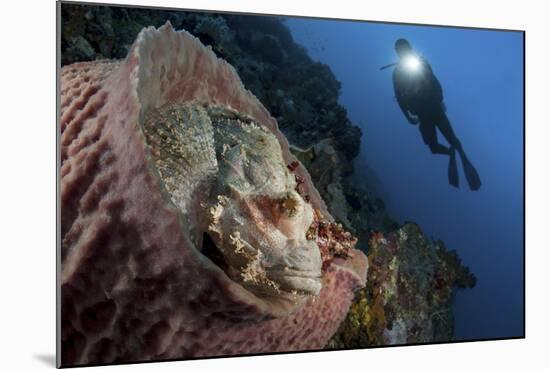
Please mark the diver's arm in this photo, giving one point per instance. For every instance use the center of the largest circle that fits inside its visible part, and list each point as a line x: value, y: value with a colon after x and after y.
x: 404, y: 109
x: 402, y: 100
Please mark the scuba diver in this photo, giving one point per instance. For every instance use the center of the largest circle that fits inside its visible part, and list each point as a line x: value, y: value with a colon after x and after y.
x: 420, y: 97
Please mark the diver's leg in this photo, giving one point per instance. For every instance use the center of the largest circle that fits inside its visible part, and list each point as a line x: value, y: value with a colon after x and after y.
x: 429, y: 135
x: 474, y: 182
x: 447, y: 130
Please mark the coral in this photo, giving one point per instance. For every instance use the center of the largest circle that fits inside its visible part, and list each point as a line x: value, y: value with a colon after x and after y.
x: 407, y: 299
x: 80, y: 47
x: 300, y: 93
x: 323, y: 164
x: 332, y: 240
x: 350, y: 203
x: 136, y: 282
x: 303, y: 96
x: 215, y: 28
x: 368, y: 211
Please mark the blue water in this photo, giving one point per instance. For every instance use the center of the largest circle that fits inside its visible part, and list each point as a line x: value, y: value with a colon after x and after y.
x: 481, y: 72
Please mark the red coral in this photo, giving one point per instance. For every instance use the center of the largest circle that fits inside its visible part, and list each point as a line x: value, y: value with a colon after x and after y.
x: 292, y: 166
x: 332, y: 239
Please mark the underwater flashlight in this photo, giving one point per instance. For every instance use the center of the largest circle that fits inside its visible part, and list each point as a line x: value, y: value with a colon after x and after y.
x: 412, y: 63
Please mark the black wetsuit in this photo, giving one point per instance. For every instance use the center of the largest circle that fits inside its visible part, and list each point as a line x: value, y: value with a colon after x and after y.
x: 419, y: 92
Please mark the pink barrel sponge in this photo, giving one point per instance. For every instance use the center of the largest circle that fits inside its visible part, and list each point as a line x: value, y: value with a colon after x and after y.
x: 135, y: 283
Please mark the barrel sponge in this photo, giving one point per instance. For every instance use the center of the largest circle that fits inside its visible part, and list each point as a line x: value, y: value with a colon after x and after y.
x: 133, y: 285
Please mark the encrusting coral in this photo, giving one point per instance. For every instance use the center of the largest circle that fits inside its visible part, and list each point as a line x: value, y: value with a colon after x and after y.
x: 179, y: 239
x: 411, y: 281
x: 407, y: 299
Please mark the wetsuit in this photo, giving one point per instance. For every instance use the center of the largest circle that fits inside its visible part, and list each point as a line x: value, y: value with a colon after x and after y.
x: 419, y: 93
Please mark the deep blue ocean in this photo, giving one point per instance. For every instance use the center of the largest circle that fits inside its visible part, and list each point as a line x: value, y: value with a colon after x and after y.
x: 481, y: 72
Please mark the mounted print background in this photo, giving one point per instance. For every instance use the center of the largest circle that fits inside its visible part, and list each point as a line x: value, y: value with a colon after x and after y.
x: 242, y: 184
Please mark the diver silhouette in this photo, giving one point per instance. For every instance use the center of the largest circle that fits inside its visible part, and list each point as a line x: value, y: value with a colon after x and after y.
x: 420, y: 97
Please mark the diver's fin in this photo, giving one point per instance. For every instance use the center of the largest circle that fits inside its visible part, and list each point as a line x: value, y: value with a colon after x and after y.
x: 453, y: 171
x: 471, y: 173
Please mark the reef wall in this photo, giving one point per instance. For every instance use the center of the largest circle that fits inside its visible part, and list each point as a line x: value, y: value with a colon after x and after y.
x: 303, y: 97
x: 408, y: 298
x: 301, y: 94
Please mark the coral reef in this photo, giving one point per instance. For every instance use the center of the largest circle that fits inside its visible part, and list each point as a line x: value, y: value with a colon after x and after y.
x: 350, y: 203
x: 323, y: 164
x: 139, y: 279
x: 332, y: 240
x: 216, y: 29
x: 411, y: 281
x: 407, y: 299
x: 303, y: 97
x: 301, y: 94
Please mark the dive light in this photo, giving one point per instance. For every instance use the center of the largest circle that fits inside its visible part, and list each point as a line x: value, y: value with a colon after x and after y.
x: 411, y: 62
